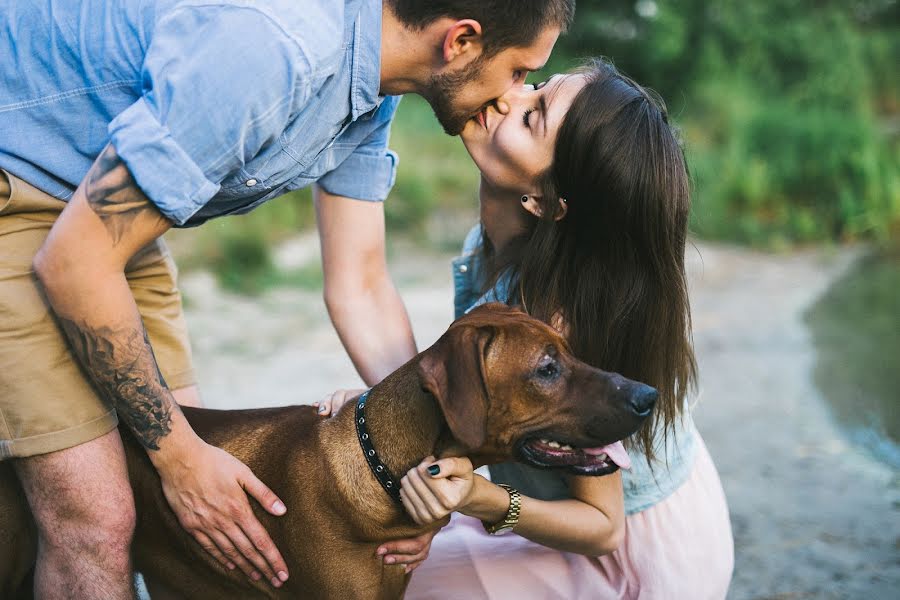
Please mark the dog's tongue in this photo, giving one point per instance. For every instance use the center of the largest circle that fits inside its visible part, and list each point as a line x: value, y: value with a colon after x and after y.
x: 616, y: 452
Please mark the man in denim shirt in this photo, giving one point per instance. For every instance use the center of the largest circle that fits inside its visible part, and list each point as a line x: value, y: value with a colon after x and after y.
x: 122, y: 118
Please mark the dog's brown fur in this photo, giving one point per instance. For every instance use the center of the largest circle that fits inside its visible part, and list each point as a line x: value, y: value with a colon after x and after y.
x: 473, y: 393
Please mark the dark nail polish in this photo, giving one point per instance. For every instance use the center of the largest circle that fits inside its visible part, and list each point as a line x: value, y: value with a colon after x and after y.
x: 434, y: 470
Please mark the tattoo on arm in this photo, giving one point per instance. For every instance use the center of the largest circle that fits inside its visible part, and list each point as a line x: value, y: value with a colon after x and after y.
x: 113, y: 194
x: 124, y: 371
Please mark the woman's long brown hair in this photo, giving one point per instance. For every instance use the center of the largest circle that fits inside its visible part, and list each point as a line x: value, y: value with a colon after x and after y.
x: 613, y: 267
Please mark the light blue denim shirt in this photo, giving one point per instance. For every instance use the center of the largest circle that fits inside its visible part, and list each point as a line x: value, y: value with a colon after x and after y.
x: 644, y: 486
x: 216, y: 107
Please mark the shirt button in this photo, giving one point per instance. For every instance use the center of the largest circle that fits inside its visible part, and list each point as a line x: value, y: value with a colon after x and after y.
x: 463, y: 268
x: 251, y: 182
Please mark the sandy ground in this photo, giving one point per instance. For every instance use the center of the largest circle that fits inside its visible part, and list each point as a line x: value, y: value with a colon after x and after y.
x: 812, y: 517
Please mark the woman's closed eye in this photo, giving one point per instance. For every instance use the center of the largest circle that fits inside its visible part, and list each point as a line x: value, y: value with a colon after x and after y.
x: 525, y: 117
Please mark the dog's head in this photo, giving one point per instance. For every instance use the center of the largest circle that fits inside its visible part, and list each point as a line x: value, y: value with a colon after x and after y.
x: 510, y: 388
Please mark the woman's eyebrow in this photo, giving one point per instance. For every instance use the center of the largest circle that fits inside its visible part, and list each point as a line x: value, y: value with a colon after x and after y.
x: 542, y: 101
x: 544, y: 104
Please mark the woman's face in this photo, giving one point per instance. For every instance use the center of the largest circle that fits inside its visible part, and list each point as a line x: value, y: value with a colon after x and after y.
x: 512, y: 140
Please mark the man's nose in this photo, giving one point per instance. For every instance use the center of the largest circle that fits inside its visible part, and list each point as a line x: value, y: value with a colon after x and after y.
x: 504, y: 104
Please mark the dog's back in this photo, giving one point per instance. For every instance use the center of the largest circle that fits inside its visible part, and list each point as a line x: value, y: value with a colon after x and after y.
x: 18, y: 537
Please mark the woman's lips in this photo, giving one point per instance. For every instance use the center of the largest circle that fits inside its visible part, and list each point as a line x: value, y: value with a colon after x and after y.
x: 482, y: 118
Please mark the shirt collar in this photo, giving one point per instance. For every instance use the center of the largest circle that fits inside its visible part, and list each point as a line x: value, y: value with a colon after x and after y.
x: 365, y: 76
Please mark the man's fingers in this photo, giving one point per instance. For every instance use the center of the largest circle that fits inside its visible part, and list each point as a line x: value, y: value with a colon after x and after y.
x: 264, y: 544
x: 411, y: 546
x: 262, y: 493
x: 246, y: 547
x: 224, y: 543
x: 208, y: 545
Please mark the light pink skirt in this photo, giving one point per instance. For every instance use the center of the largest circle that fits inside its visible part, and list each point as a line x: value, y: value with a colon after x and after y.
x: 679, y: 548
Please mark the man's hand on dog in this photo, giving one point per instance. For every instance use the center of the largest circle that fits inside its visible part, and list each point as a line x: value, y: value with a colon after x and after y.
x: 332, y: 403
x: 208, y: 490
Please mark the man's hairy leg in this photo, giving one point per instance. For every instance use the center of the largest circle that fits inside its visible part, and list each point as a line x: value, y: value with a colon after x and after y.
x: 84, y: 509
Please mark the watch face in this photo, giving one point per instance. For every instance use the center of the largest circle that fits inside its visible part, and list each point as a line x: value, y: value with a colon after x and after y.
x: 504, y: 529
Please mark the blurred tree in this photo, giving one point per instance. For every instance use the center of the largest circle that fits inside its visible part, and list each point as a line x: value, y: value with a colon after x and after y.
x: 789, y: 106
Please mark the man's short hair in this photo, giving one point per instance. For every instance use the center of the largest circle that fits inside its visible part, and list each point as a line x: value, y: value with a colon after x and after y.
x: 505, y: 23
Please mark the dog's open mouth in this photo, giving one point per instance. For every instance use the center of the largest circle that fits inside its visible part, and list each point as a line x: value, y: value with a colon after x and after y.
x: 551, y: 454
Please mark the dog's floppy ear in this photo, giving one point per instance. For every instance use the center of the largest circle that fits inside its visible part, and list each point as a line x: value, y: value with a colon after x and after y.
x: 452, y: 370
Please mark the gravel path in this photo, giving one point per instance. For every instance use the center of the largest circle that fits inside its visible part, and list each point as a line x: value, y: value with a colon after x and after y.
x: 812, y: 517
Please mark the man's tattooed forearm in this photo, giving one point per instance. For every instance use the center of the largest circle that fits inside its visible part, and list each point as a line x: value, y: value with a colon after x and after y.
x: 122, y: 366
x: 113, y: 194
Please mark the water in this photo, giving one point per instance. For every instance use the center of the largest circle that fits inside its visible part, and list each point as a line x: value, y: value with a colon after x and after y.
x: 856, y: 331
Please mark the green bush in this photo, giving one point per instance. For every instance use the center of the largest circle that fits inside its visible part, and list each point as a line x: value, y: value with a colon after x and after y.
x: 789, y: 107
x: 786, y: 174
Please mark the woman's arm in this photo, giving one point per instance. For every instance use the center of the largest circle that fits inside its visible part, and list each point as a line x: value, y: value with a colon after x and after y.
x: 591, y: 523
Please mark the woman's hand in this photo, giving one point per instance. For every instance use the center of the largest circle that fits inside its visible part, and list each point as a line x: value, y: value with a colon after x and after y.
x: 333, y: 402
x: 410, y: 552
x: 434, y: 489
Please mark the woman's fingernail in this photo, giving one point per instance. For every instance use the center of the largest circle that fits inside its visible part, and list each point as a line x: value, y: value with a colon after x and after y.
x: 390, y: 560
x: 255, y: 576
x: 434, y: 470
x: 231, y: 566
x: 279, y: 507
x: 282, y: 576
x: 407, y: 569
x: 322, y: 408
x: 381, y: 551
x: 276, y: 582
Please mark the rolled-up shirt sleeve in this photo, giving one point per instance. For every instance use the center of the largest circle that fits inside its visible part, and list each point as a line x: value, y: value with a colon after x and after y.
x: 218, y: 84
x: 370, y: 171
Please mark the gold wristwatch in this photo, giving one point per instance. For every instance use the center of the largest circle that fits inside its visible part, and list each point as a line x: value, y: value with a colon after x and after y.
x: 512, y: 514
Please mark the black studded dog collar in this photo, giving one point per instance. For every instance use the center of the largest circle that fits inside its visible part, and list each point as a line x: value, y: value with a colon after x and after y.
x: 390, y: 483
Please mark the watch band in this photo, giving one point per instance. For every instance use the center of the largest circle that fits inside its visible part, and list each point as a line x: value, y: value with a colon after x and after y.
x: 512, y: 513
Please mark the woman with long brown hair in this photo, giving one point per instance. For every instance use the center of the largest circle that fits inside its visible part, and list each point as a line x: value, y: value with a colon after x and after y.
x: 585, y: 196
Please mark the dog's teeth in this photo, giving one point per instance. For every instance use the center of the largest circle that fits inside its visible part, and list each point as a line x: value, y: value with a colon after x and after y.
x: 544, y: 440
x: 566, y: 447
x: 602, y: 457
x: 553, y: 444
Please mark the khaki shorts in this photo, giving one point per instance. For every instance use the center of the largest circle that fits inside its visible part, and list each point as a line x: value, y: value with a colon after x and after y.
x: 46, y: 403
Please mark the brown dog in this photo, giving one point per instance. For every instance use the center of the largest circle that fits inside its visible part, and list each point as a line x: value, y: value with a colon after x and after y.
x: 491, y: 388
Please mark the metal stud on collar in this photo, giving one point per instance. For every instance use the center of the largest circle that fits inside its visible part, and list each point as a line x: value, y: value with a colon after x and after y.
x: 379, y: 470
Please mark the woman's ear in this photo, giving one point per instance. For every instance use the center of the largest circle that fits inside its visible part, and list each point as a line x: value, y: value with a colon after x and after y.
x: 563, y: 209
x: 532, y: 204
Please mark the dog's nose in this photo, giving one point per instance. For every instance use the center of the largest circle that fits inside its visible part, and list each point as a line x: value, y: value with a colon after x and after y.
x: 642, y: 399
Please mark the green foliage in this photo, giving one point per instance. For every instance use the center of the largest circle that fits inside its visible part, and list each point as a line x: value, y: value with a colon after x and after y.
x: 238, y: 250
x: 786, y: 107
x: 435, y: 176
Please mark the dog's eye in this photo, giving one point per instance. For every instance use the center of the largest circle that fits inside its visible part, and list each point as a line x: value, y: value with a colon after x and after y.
x: 548, y: 371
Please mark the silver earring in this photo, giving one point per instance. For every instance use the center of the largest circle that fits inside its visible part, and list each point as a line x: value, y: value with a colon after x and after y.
x: 524, y: 199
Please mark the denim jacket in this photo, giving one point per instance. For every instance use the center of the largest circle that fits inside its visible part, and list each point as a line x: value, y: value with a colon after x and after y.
x: 644, y: 486
x: 215, y: 107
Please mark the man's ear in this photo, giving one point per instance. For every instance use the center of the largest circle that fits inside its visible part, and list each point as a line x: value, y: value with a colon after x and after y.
x: 463, y: 38
x: 452, y: 370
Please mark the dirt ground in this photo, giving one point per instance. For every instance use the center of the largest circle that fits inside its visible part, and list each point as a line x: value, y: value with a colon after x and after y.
x: 812, y: 516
